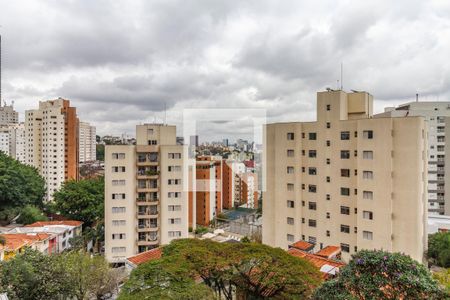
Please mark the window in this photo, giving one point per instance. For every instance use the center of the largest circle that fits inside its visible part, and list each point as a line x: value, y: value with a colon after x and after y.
x: 118, y: 249
x: 345, y: 154
x: 174, y: 194
x: 312, y: 153
x: 355, y: 153
x: 118, y: 196
x: 367, y: 235
x: 328, y: 143
x: 303, y: 169
x: 175, y: 221
x: 328, y: 179
x: 118, y: 155
x: 328, y: 197
x: 118, y: 210
x: 303, y: 135
x: 345, y: 210
x: 345, y: 247
x: 120, y: 169
x: 152, y: 142
x: 290, y: 204
x: 368, y: 134
x: 303, y: 152
x: 328, y: 125
x: 290, y: 153
x: 118, y: 182
x: 290, y: 136
x: 328, y: 233
x: 367, y: 174
x: 303, y: 222
x: 367, y: 215
x: 367, y: 195
x: 345, y: 228
x: 174, y: 155
x: 174, y: 234
x: 174, y: 181
x: 303, y: 186
x: 328, y: 107
x: 345, y: 135
x: 328, y: 215
x: 345, y: 191
x: 118, y: 222
x: 290, y: 170
x: 312, y: 188
x: 312, y: 136
x: 312, y: 171
x: 328, y: 161
x: 312, y: 205
x: 290, y: 187
x: 345, y: 173
x: 118, y: 236
x: 312, y: 239
x: 312, y: 223
x: 174, y: 207
x: 174, y: 168
x: 290, y: 221
x: 290, y: 237
x: 367, y: 154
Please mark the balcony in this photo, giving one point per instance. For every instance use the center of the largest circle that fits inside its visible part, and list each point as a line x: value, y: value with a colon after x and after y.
x: 147, y: 227
x: 147, y: 159
x: 148, y: 212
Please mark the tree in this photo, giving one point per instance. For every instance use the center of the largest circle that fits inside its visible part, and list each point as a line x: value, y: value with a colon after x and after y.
x: 444, y: 279
x: 30, y: 214
x: 2, y: 240
x: 439, y: 249
x: 381, y: 275
x: 100, y: 152
x: 33, y: 276
x: 82, y: 200
x: 167, y: 278
x: 20, y: 184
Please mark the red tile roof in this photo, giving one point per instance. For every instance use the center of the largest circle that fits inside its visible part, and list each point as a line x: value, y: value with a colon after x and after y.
x: 302, y: 245
x: 249, y: 163
x: 45, y: 223
x: 318, y: 261
x: 17, y: 240
x: 146, y: 256
x: 329, y: 251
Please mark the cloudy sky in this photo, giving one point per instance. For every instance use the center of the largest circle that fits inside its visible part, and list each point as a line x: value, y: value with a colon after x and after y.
x: 122, y: 62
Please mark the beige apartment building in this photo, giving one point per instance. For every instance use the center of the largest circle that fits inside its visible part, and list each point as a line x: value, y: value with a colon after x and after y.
x: 51, y: 142
x: 87, y: 142
x: 347, y: 179
x: 146, y: 203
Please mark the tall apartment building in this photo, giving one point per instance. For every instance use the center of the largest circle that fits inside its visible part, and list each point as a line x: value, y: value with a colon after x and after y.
x: 87, y: 142
x: 12, y: 141
x: 437, y: 115
x: 8, y: 115
x: 146, y: 203
x: 52, y: 142
x: 347, y: 179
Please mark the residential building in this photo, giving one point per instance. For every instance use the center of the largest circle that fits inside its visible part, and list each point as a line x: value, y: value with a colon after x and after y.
x: 437, y: 115
x: 87, y: 142
x: 16, y: 242
x: 347, y: 179
x: 12, y: 140
x: 52, y: 142
x: 8, y: 115
x: 146, y: 202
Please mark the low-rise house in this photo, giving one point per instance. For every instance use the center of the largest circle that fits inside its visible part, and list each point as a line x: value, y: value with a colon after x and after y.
x: 134, y: 261
x: 17, y: 242
x: 328, y: 267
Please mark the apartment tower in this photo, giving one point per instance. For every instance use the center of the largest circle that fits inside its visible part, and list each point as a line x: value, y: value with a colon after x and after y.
x: 52, y: 142
x: 146, y: 203
x: 437, y: 115
x: 12, y: 141
x: 8, y: 115
x: 87, y: 142
x: 347, y: 179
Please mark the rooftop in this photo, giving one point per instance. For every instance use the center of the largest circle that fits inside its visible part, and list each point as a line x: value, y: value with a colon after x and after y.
x: 329, y: 251
x: 302, y: 245
x: 320, y: 262
x: 146, y: 256
x: 50, y: 223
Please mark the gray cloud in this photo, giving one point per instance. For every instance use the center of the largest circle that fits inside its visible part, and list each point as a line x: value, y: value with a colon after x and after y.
x: 123, y: 62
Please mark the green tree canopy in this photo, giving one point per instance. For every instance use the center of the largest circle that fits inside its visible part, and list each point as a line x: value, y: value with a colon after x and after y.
x: 82, y: 200
x: 20, y: 184
x: 439, y: 249
x: 30, y: 214
x: 381, y: 275
x: 249, y: 269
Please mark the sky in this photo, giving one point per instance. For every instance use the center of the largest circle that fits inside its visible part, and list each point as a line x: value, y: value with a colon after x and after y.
x: 123, y: 63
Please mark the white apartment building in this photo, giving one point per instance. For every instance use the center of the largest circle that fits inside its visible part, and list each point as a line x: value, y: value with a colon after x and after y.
x: 146, y: 199
x: 87, y: 142
x: 52, y: 142
x: 12, y: 140
x: 437, y: 115
x: 347, y: 179
x: 8, y: 115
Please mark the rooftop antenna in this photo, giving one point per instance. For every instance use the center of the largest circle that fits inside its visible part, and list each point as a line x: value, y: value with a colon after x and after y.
x: 342, y: 76
x: 165, y: 114
x: 417, y: 97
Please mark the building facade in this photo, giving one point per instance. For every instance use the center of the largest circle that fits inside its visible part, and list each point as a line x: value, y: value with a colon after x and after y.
x: 52, y: 142
x: 87, y: 142
x: 8, y: 115
x: 146, y: 202
x: 12, y: 140
x: 347, y: 179
x: 437, y: 115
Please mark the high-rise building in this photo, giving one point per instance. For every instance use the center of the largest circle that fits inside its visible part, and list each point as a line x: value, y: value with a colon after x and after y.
x: 87, y: 142
x: 146, y: 202
x: 8, y: 115
x: 52, y: 142
x: 347, y: 179
x: 12, y: 141
x: 437, y: 115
